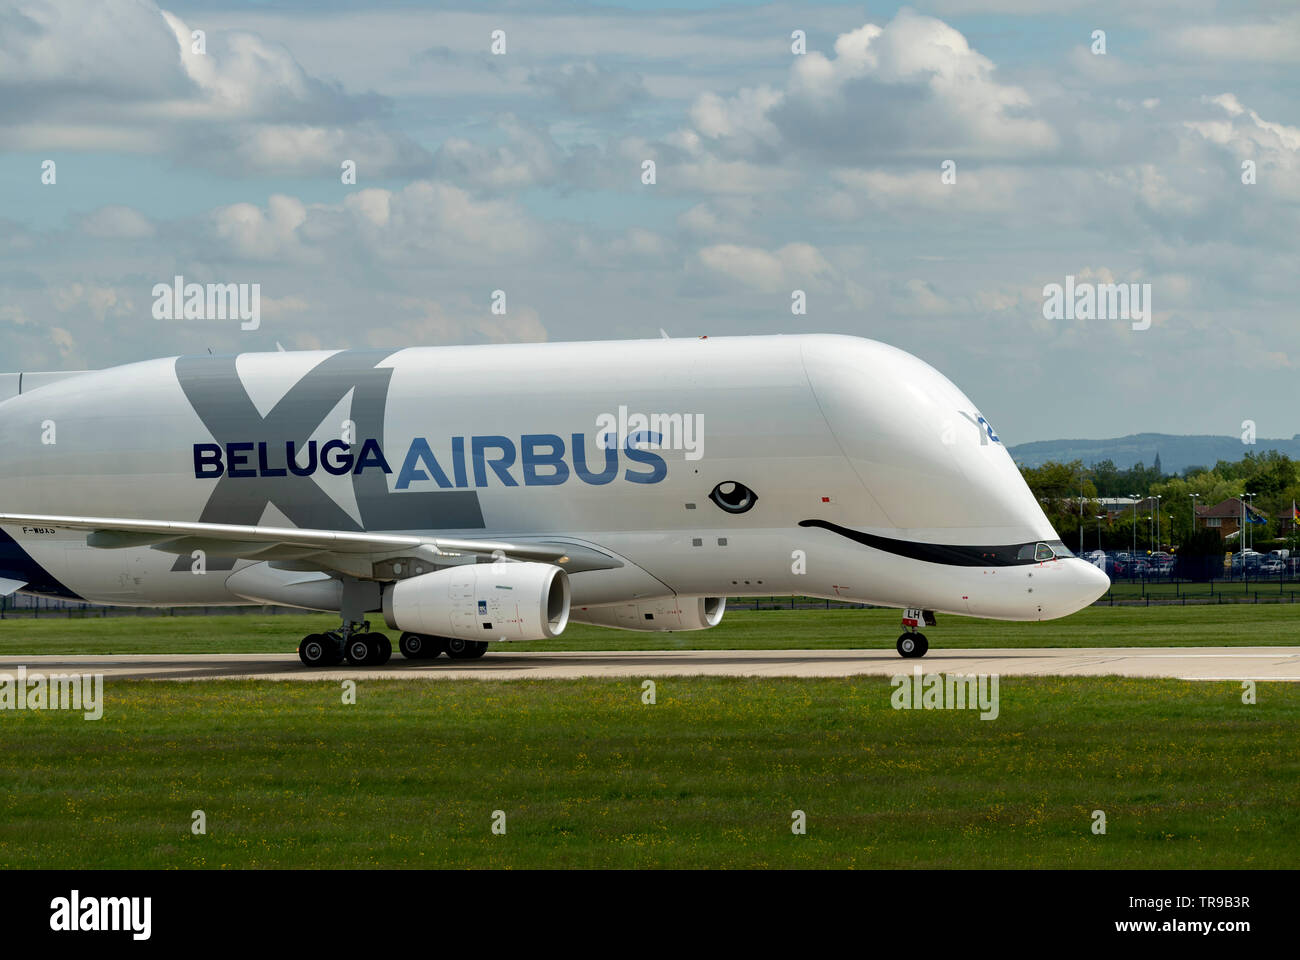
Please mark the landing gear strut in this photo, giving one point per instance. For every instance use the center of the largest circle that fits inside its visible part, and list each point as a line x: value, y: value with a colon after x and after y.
x: 353, y: 640
x: 912, y: 643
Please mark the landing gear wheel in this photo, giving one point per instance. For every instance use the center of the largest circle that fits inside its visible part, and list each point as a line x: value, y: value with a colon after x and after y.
x: 359, y: 649
x: 318, y: 650
x: 369, y: 650
x: 912, y: 645
x: 459, y: 649
x: 382, y: 650
x: 416, y: 646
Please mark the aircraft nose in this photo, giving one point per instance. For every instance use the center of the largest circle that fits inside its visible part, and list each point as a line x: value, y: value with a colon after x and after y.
x: 1086, y: 583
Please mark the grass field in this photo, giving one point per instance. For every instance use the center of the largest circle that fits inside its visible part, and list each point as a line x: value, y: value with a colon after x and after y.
x: 589, y: 776
x: 1229, y: 624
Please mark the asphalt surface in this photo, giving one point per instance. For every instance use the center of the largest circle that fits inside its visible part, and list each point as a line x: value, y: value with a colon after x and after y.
x: 1188, y: 663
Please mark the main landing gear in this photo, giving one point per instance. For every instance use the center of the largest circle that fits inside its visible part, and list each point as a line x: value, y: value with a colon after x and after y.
x: 419, y: 646
x: 352, y: 642
x: 912, y: 643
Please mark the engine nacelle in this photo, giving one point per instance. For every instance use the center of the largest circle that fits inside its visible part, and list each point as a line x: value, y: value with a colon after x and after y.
x: 669, y: 613
x: 482, y: 601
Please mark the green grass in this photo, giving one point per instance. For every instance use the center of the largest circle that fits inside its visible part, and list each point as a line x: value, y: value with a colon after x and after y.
x: 588, y: 776
x: 1228, y: 625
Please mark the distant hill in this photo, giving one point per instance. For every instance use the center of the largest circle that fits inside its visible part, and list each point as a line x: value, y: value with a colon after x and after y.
x: 1176, y: 453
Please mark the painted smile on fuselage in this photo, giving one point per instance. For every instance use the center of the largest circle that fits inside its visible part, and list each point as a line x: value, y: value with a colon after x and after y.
x: 953, y: 555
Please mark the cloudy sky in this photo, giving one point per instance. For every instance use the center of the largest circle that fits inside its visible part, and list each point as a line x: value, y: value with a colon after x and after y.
x: 775, y: 171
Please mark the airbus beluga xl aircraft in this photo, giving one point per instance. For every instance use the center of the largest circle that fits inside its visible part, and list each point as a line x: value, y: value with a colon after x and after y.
x: 481, y: 494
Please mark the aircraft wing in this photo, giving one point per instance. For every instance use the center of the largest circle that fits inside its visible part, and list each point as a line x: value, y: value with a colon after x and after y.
x: 276, y: 543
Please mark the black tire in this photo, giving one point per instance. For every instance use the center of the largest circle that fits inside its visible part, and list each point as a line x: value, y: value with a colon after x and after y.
x: 912, y: 645
x: 335, y: 650
x: 416, y: 646
x: 459, y: 649
x: 360, y: 648
x: 315, y: 650
x: 381, y: 650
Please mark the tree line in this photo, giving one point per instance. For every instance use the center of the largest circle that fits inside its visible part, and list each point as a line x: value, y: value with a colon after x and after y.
x: 1272, y: 477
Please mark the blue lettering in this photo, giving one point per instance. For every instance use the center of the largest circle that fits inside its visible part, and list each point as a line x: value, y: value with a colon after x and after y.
x: 660, y: 469
x: 372, y: 456
x: 458, y: 461
x: 580, y: 462
x: 235, y: 456
x: 291, y: 457
x: 343, y: 464
x: 501, y: 465
x: 531, y: 460
x: 207, y: 460
x: 262, y: 468
x: 418, y: 453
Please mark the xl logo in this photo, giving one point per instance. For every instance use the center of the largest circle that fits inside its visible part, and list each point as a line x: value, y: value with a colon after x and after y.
x: 983, y: 426
x: 214, y: 389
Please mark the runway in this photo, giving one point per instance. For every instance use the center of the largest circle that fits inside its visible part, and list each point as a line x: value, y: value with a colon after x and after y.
x: 1186, y: 663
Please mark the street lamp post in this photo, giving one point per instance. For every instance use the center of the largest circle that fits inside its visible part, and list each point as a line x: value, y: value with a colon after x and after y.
x: 1159, y: 539
x: 1135, y: 528
x: 1194, y: 497
x: 1100, y: 518
x: 1080, y: 514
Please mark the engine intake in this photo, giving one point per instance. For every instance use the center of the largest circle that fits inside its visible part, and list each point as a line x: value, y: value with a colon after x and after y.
x: 482, y: 601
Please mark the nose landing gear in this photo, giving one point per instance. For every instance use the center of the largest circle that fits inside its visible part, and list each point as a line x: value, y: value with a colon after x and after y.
x: 912, y: 643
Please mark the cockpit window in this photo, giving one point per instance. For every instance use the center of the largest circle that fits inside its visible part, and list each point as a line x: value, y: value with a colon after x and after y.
x: 1042, y: 552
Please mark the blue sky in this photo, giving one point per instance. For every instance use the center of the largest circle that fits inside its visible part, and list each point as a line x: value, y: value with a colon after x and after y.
x: 774, y: 172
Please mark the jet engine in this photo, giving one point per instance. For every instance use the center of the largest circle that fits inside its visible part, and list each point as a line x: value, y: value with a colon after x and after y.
x: 667, y: 613
x: 482, y: 601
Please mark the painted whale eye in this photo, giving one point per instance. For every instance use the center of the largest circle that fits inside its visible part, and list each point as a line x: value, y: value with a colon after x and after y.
x: 733, y: 497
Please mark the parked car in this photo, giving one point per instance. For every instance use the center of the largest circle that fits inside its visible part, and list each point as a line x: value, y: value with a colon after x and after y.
x: 1102, y: 561
x: 1249, y: 559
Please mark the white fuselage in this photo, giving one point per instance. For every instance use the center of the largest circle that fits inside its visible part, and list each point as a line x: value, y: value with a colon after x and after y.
x: 837, y: 436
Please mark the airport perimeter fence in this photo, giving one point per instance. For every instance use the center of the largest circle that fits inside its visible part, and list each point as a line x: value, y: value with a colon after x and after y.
x: 1167, y: 591
x: 27, y: 608
x: 1133, y: 593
